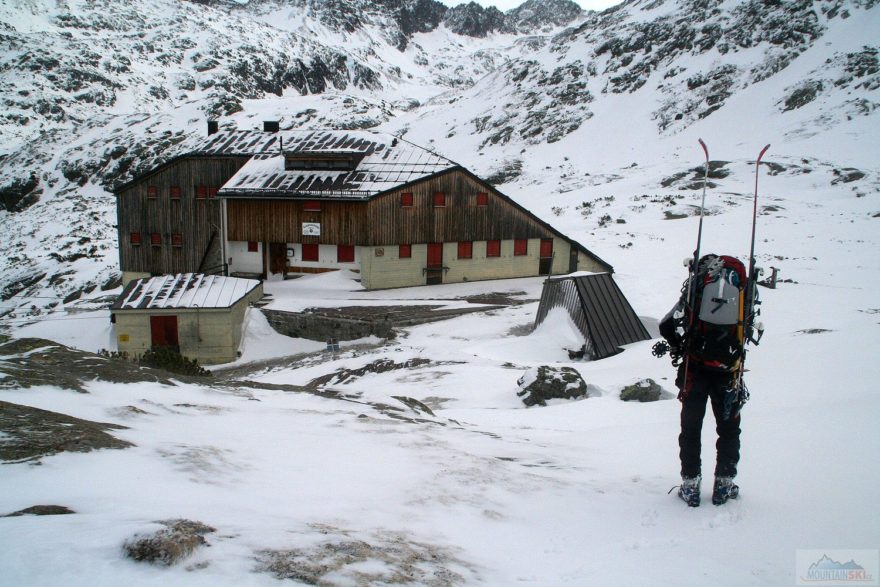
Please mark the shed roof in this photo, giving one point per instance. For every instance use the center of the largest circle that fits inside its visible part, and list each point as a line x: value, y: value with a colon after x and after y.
x: 599, y: 309
x: 385, y: 162
x: 184, y: 290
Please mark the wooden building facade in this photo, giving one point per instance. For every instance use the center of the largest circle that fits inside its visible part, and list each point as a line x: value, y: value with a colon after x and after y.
x: 269, y: 204
x: 170, y: 220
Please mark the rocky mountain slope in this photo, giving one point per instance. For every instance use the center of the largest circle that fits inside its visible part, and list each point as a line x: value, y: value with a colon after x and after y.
x: 95, y: 92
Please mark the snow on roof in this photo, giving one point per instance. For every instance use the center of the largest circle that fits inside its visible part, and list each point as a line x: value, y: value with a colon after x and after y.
x: 184, y: 290
x: 386, y: 162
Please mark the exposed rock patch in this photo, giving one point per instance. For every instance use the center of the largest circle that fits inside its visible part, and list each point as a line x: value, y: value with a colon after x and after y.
x: 30, y: 433
x: 378, y: 366
x: 41, y: 510
x: 28, y: 362
x: 388, y: 558
x: 173, y: 543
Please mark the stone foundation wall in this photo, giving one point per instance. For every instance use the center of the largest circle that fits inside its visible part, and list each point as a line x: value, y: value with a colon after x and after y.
x: 323, y: 328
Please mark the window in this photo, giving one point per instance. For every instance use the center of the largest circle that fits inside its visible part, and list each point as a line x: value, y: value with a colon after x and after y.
x: 212, y: 192
x: 310, y: 252
x: 253, y: 247
x: 546, y: 248
x: 177, y: 240
x: 439, y: 200
x: 345, y: 253
x: 343, y: 162
x: 152, y: 192
x: 405, y: 251
x: 201, y: 192
x: 493, y: 248
x: 520, y: 247
x: 156, y: 239
x: 482, y: 199
x: 465, y: 250
x: 312, y: 206
x: 135, y: 238
x: 406, y: 200
x: 175, y: 192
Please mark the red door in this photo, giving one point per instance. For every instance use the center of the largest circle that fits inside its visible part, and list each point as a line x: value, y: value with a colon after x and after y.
x: 434, y: 270
x: 545, y: 263
x: 163, y: 331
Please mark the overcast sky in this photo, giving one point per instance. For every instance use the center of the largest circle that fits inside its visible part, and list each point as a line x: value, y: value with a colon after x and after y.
x: 505, y: 5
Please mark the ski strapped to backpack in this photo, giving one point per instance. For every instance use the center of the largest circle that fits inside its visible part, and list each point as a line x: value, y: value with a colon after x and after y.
x: 715, y: 316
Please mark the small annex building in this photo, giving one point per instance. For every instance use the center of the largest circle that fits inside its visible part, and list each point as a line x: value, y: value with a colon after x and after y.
x: 198, y: 315
x: 598, y: 308
x: 270, y: 203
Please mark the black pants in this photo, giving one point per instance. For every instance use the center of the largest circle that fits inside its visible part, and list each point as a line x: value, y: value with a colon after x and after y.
x: 703, y: 386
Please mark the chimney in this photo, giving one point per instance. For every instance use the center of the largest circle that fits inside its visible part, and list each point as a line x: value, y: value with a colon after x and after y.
x: 271, y: 126
x: 213, y: 126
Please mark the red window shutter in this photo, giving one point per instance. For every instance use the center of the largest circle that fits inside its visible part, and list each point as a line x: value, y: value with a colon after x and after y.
x: 310, y: 252
x: 175, y: 192
x: 152, y: 192
x: 465, y: 250
x: 201, y: 192
x: 212, y: 192
x: 406, y: 200
x: 546, y: 248
x: 520, y: 247
x: 312, y: 206
x: 493, y: 248
x: 176, y: 240
x: 253, y: 247
x: 135, y: 238
x: 345, y: 253
x: 482, y: 199
x: 439, y: 199
x: 405, y: 251
x: 156, y: 239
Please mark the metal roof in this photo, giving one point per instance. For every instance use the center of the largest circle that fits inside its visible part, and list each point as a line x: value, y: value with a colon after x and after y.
x: 184, y: 290
x: 385, y: 162
x: 598, y: 307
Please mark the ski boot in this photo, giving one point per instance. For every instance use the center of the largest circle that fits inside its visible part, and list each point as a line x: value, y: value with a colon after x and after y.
x: 689, y: 491
x: 723, y: 490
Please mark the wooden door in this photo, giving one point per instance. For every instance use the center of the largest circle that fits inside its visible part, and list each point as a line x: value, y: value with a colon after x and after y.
x: 278, y: 258
x: 545, y: 263
x: 434, y: 265
x: 163, y: 331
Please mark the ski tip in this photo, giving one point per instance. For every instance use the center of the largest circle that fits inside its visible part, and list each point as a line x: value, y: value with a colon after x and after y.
x: 705, y: 148
x: 764, y: 150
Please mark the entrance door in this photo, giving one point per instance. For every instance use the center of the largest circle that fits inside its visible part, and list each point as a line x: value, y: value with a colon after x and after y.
x: 278, y: 258
x: 434, y: 266
x: 545, y: 264
x: 163, y: 331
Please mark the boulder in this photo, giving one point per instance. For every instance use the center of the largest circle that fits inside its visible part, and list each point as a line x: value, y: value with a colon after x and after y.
x: 537, y: 385
x: 173, y: 543
x: 646, y: 390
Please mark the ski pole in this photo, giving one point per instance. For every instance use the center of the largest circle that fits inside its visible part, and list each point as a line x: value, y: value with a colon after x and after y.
x: 692, y: 271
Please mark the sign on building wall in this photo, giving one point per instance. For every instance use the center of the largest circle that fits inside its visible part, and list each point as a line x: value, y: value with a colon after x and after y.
x: 311, y: 229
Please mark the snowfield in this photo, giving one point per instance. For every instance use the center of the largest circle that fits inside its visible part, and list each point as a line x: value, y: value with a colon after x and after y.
x: 433, y: 472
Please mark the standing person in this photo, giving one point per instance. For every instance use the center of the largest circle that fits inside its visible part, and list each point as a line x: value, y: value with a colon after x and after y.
x: 706, y: 343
